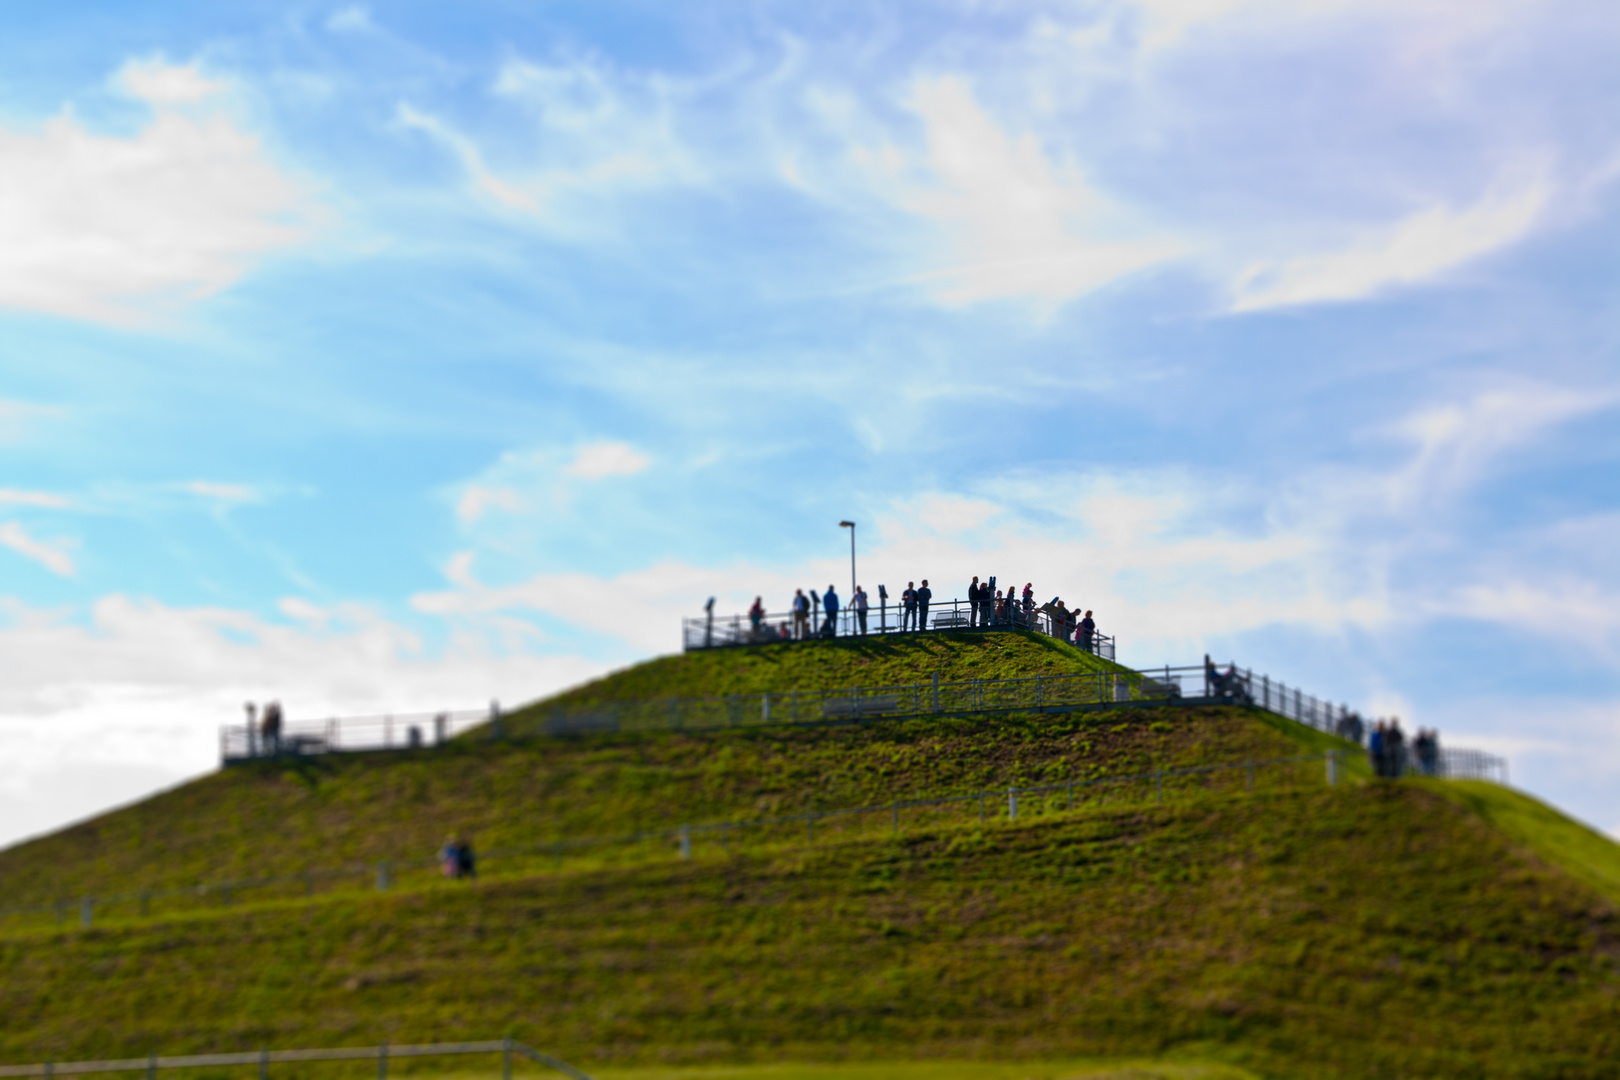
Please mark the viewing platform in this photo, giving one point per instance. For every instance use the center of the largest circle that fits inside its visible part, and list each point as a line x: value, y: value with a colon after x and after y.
x: 711, y: 632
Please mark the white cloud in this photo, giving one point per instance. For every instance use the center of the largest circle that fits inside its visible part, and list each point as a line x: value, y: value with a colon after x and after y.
x: 43, y: 499
x: 476, y: 500
x: 1415, y: 249
x: 1019, y: 223
x: 591, y: 136
x: 223, y: 493
x: 105, y: 227
x: 349, y: 20
x: 52, y: 557
x: 158, y: 82
x: 138, y: 690
x: 604, y: 459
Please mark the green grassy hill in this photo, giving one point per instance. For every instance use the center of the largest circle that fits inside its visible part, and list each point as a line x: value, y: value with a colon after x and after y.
x: 1296, y: 929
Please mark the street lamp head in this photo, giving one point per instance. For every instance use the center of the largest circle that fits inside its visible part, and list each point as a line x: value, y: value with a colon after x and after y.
x: 846, y: 524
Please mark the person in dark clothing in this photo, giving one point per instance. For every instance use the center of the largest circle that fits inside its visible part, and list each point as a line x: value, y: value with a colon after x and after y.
x: 1395, y: 749
x: 1375, y: 751
x: 924, y: 596
x: 466, y: 862
x: 829, y: 604
x: 857, y: 606
x: 1029, y: 605
x: 908, y: 609
x: 973, y: 601
x: 801, y: 616
x: 1088, y: 628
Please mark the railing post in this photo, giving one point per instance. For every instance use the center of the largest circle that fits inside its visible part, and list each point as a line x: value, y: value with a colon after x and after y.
x: 264, y: 1064
x: 1249, y: 764
x: 897, y: 817
x: 1333, y: 767
x: 765, y: 707
x: 151, y: 1067
x: 936, y: 691
x: 506, y: 1058
x: 686, y: 841
x: 87, y: 908
x: 810, y: 826
x: 1040, y: 693
x: 1071, y: 793
x: 1158, y: 783
x: 382, y: 1061
x: 1012, y: 804
x: 384, y: 876
x: 981, y: 807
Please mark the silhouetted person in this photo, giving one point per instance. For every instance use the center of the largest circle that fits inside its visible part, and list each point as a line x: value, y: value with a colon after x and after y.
x: 829, y: 604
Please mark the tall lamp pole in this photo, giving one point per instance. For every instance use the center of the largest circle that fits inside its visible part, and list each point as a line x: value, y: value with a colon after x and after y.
x: 850, y: 525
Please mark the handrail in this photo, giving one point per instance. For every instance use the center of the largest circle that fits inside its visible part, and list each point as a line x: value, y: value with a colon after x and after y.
x: 380, y: 1054
x: 944, y: 616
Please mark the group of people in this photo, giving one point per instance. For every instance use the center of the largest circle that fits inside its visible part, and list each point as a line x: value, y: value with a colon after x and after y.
x: 268, y: 725
x: 456, y: 859
x: 1390, y: 756
x: 987, y: 606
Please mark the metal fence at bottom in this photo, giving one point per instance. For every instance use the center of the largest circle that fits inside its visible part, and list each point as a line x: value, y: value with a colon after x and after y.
x: 263, y: 1059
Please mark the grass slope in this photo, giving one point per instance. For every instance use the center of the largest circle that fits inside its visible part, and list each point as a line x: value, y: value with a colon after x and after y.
x: 1367, y: 929
x: 1364, y: 930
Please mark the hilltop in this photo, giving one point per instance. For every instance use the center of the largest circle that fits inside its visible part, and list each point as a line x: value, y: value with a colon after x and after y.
x: 1363, y: 929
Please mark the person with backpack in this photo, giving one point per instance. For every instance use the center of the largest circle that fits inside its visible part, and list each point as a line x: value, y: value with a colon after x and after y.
x: 801, y: 615
x: 924, y: 596
x: 829, y: 603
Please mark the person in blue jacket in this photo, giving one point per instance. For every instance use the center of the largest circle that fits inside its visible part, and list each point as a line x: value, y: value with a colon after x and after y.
x: 829, y: 602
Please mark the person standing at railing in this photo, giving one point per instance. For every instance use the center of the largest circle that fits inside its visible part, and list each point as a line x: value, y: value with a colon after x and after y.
x: 925, y: 595
x: 1375, y: 751
x: 1395, y: 748
x: 973, y: 601
x: 271, y: 726
x: 1029, y: 605
x: 908, y: 607
x: 1088, y: 629
x: 857, y: 607
x: 756, y: 616
x: 829, y: 604
x: 801, y: 615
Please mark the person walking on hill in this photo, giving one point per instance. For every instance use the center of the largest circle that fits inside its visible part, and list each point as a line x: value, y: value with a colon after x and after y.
x: 450, y: 858
x: 829, y: 604
x: 925, y: 595
x: 858, y: 605
x: 908, y: 607
x: 801, y: 615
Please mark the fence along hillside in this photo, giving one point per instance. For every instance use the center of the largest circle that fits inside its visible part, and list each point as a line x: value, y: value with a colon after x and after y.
x: 1187, y: 685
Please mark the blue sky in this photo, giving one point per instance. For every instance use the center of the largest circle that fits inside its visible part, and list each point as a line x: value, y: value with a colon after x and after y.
x: 404, y: 356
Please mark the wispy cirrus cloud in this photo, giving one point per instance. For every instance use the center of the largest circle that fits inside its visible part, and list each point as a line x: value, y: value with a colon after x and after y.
x: 53, y: 556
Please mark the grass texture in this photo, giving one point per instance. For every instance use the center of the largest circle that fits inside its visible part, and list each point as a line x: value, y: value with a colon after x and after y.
x: 1366, y: 929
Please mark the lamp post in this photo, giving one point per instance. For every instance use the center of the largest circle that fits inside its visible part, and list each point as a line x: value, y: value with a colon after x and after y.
x: 850, y: 525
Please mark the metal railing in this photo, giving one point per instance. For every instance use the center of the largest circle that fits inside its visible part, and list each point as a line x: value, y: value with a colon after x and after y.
x: 507, y: 1048
x: 709, y: 632
x: 1190, y: 684
x: 239, y: 742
